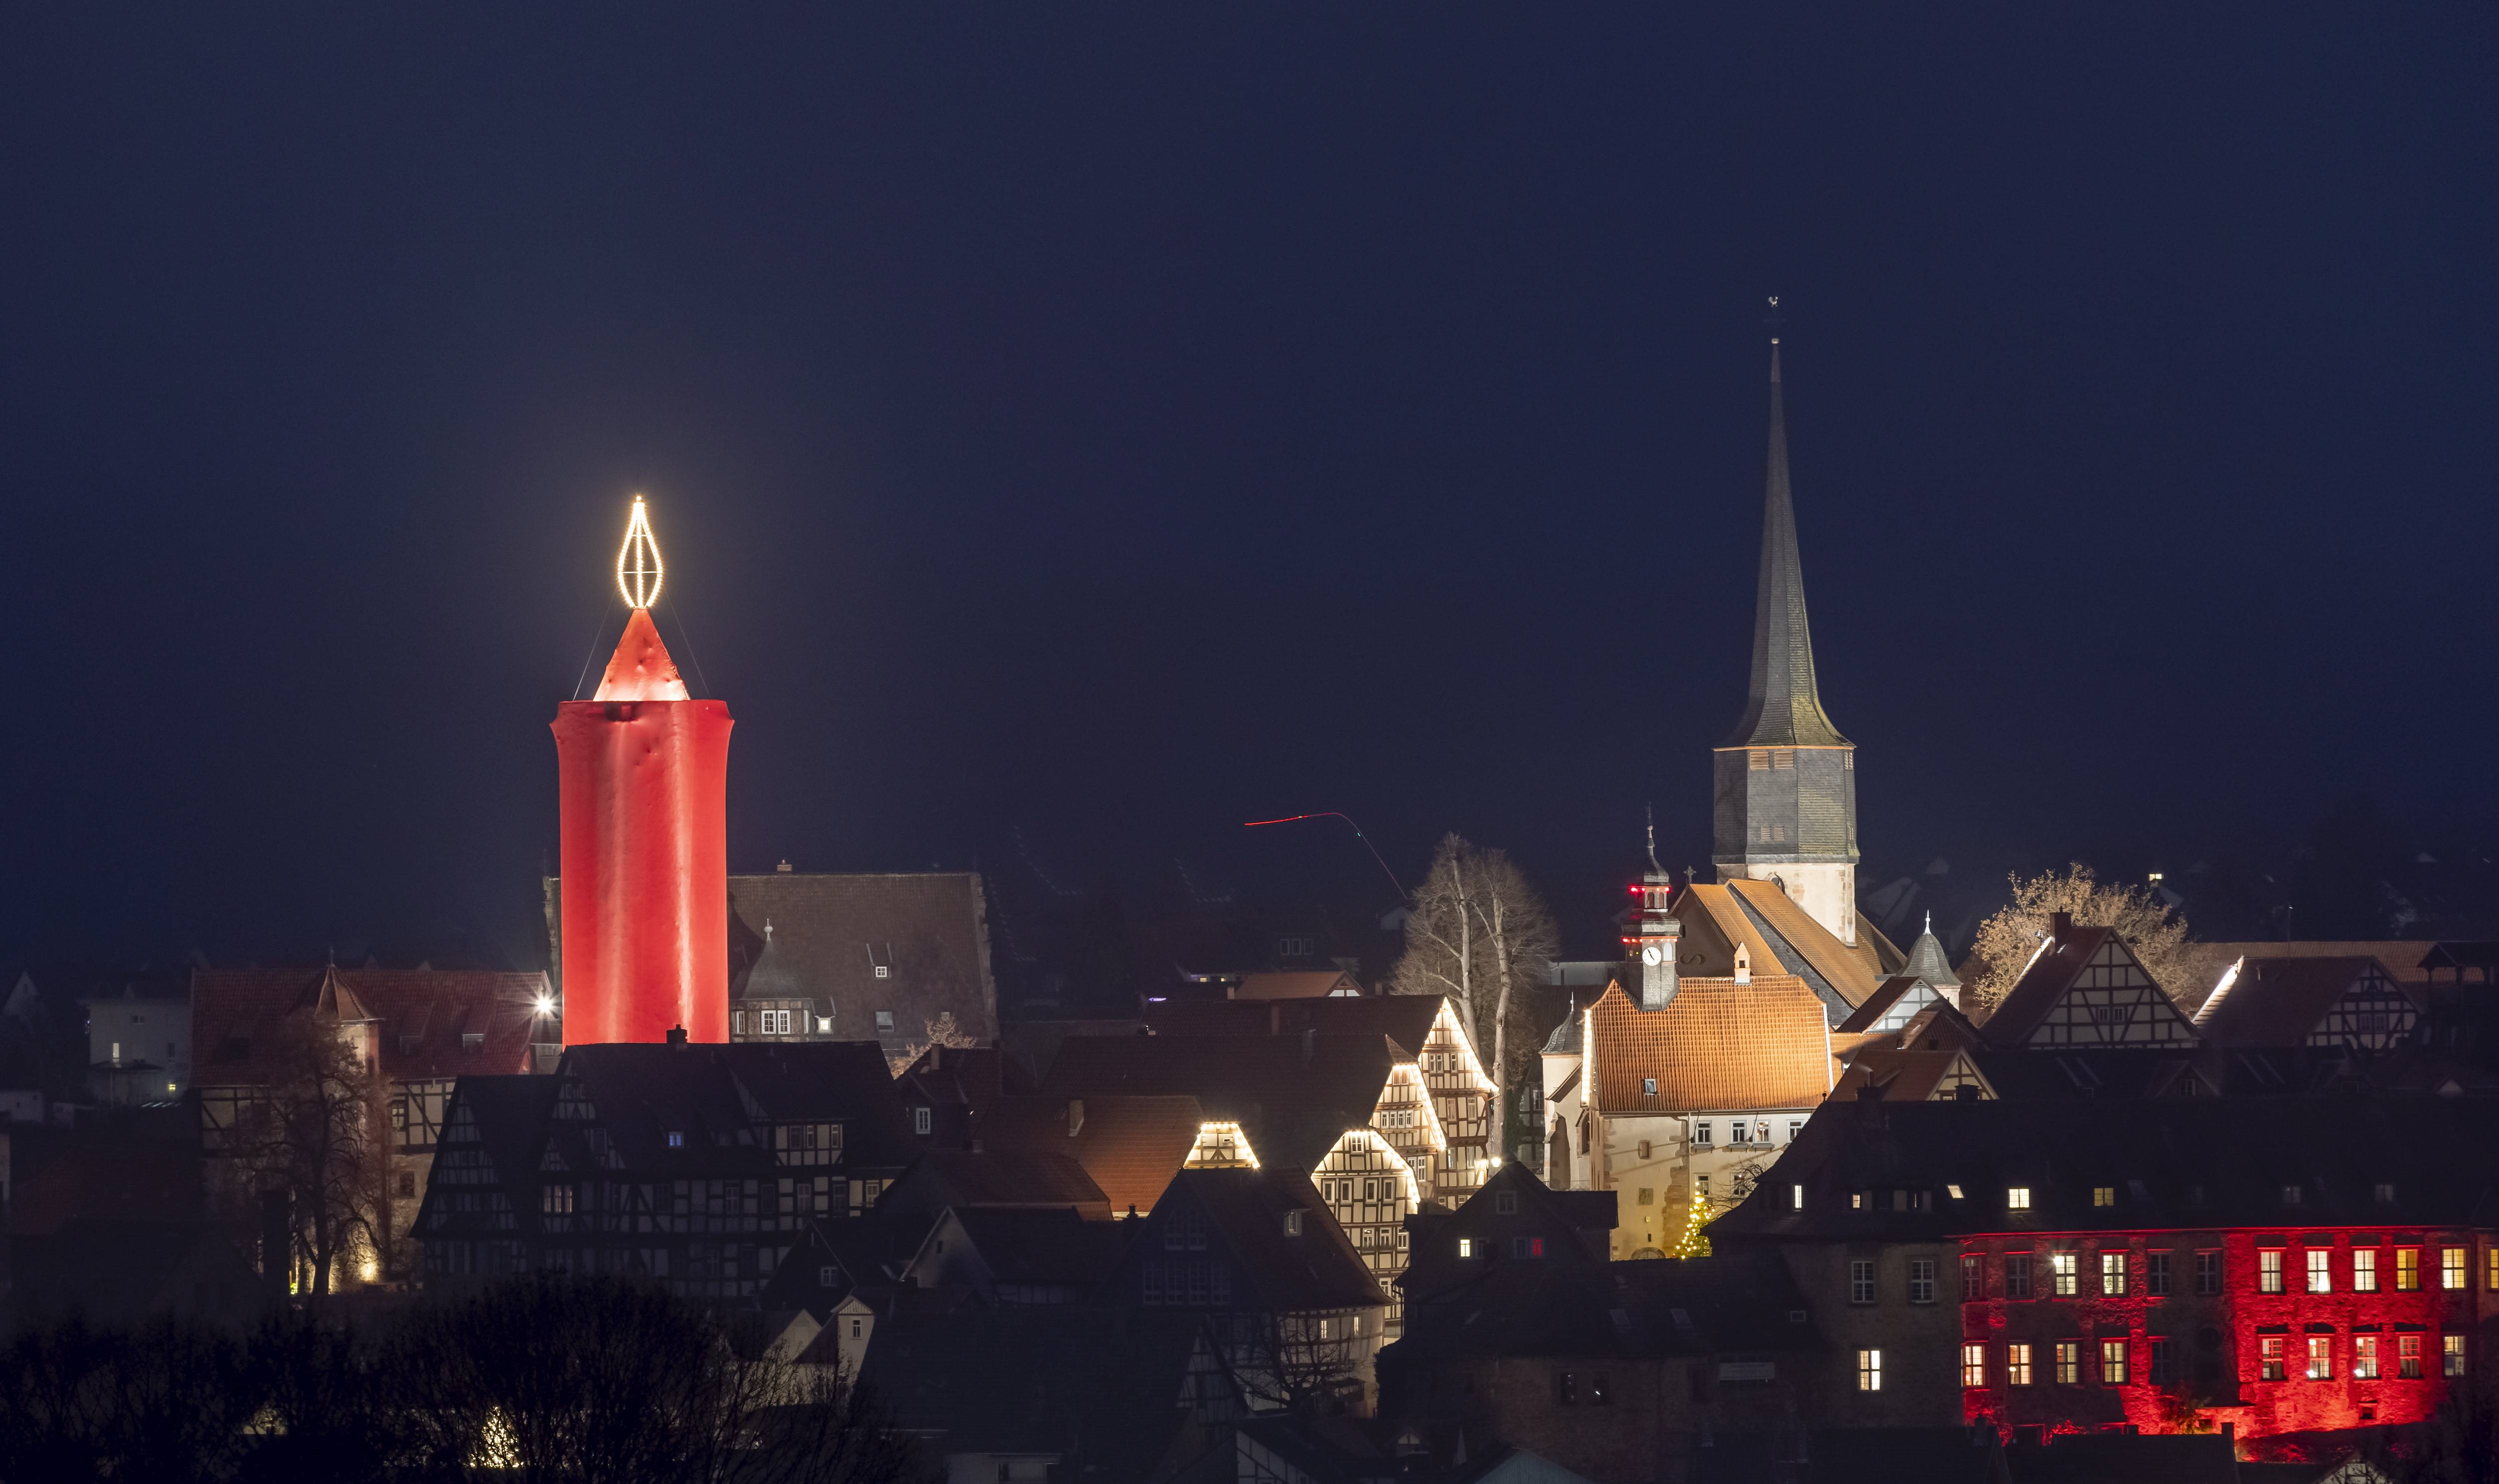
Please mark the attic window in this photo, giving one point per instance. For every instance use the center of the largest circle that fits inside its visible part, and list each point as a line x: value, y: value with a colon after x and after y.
x: 1648, y: 1086
x: 2016, y: 1198
x: 885, y: 971
x: 885, y: 1021
x: 1505, y: 1202
x: 1953, y: 1191
x: 921, y: 1120
x: 471, y: 1041
x: 1293, y: 1223
x: 1796, y: 1198
x: 2386, y: 1194
x: 2290, y: 1195
x: 676, y: 1138
x: 2103, y: 1195
x: 824, y: 1277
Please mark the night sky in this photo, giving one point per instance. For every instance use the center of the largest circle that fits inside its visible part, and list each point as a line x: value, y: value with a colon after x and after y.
x: 1074, y: 430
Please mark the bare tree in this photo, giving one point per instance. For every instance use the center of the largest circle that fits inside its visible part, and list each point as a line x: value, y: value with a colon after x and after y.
x: 1479, y: 933
x: 1293, y: 1362
x: 942, y: 1031
x: 2008, y: 941
x: 312, y: 1132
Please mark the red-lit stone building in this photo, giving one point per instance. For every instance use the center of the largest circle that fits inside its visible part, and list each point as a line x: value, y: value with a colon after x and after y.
x: 2287, y: 1264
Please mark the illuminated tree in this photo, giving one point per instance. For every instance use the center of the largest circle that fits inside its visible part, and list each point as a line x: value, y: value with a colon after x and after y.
x: 2006, y: 941
x: 942, y: 1031
x: 311, y: 1133
x: 1479, y: 933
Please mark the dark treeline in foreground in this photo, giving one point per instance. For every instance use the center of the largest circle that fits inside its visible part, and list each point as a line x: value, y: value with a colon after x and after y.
x: 596, y: 1381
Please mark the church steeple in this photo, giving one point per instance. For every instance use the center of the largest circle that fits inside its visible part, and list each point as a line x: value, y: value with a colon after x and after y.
x: 1784, y: 708
x: 1785, y: 807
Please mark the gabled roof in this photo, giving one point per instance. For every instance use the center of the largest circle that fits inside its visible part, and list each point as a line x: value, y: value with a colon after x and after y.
x: 1316, y: 1269
x: 2076, y: 962
x: 1306, y: 985
x: 1781, y: 937
x: 2278, y: 1002
x: 1718, y: 1046
x: 643, y: 1093
x: 2402, y: 958
x: 1050, y: 1246
x: 427, y: 1018
x: 1294, y: 1095
x: 1405, y: 1018
x: 1905, y: 1076
x: 967, y: 1179
x: 1131, y: 1146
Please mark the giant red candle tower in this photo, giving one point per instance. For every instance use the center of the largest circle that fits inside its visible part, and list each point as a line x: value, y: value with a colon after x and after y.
x: 643, y: 774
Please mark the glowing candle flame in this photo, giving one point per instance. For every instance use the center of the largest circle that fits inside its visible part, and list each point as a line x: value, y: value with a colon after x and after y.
x: 637, y: 561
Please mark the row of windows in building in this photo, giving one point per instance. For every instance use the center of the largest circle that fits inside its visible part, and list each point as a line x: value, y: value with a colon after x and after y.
x: 2369, y: 1358
x: 2317, y: 1270
x: 1519, y: 1246
x: 1739, y: 1132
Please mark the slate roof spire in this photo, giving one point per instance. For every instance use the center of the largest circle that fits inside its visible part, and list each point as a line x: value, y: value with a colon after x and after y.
x: 1927, y: 961
x: 1784, y: 708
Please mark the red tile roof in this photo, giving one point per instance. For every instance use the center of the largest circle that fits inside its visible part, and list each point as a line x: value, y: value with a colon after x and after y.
x: 426, y: 1016
x: 1718, y: 1046
x: 1131, y: 1146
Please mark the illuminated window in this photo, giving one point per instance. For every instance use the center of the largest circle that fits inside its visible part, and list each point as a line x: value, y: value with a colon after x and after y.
x: 2269, y: 1354
x: 2165, y: 1361
x: 2155, y: 1274
x: 2491, y: 1278
x: 2364, y: 1269
x: 2113, y: 1272
x: 1861, y: 1281
x: 2321, y: 1273
x: 1922, y: 1281
x: 2017, y: 1365
x: 2112, y: 1362
x: 1758, y: 759
x: 2208, y: 1273
x: 2407, y: 1269
x: 2064, y: 1275
x: 2407, y: 1357
x: 1869, y: 1371
x: 1953, y: 1191
x: 1466, y: 1247
x: 2364, y: 1357
x: 677, y: 1140
x: 398, y: 1124
x: 2269, y: 1271
x: 1973, y: 1276
x: 2017, y: 1274
x: 2450, y: 1353
x: 2018, y: 1198
x: 2451, y: 1267
x: 2103, y: 1195
x: 1973, y: 1365
x: 2320, y: 1357
x: 2069, y: 1363
x: 1796, y: 1198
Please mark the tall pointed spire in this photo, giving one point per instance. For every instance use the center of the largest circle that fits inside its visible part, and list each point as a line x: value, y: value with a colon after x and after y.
x: 1784, y: 708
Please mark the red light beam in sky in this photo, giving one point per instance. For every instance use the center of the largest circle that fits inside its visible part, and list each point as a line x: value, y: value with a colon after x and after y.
x: 1332, y: 814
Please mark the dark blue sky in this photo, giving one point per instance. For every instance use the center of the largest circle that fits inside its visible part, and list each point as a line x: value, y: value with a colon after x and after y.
x: 1117, y: 424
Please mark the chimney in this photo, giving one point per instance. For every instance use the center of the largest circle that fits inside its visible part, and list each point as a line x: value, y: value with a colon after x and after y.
x: 1075, y: 1117
x: 2061, y: 927
x: 936, y: 1055
x: 1743, y: 964
x: 782, y: 866
x: 677, y: 1035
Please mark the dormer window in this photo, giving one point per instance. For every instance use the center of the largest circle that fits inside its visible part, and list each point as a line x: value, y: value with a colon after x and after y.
x: 2016, y: 1198
x: 2290, y: 1195
x: 885, y: 1022
x: 1505, y: 1202
x: 471, y: 1041
x: 676, y: 1138
x: 2386, y: 1194
x: 1648, y: 1086
x: 921, y: 1120
x: 1293, y: 1223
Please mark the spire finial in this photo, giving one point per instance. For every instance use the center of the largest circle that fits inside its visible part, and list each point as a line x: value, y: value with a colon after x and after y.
x: 639, y: 572
x: 1653, y: 867
x: 1930, y: 920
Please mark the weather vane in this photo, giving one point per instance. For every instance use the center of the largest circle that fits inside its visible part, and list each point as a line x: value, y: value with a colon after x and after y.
x: 1773, y: 319
x: 637, y: 561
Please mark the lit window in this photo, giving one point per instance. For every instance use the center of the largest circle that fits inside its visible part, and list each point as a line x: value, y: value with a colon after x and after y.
x: 2491, y: 1279
x: 1795, y: 1202
x: 2320, y: 1357
x: 2407, y: 1268
x: 2364, y: 1269
x: 2063, y: 1273
x: 2407, y: 1357
x: 2018, y: 1198
x: 2113, y: 1272
x: 1953, y: 1191
x: 2017, y: 1365
x: 2364, y: 1357
x: 2451, y: 1267
x: 1861, y: 1281
x: 2269, y: 1355
x: 2450, y: 1350
x: 1922, y: 1281
x: 2269, y: 1271
x: 2103, y: 1195
x: 677, y: 1140
x: 1973, y: 1365
x: 2112, y: 1362
x: 2321, y: 1273
x: 1466, y: 1247
x: 1869, y: 1371
x: 2069, y: 1363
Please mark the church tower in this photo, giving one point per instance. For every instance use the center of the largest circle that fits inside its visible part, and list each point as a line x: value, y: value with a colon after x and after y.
x: 642, y: 794
x: 1785, y: 794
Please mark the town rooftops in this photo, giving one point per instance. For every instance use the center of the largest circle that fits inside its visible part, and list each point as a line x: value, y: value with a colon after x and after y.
x: 1405, y: 1018
x: 1779, y: 936
x: 1742, y: 1304
x: 1718, y: 1047
x: 433, y: 1024
x: 1131, y: 1146
x: 1293, y: 1095
x: 1924, y: 1171
x: 1313, y: 1268
x: 2084, y: 989
x: 1308, y: 984
x: 2278, y: 1002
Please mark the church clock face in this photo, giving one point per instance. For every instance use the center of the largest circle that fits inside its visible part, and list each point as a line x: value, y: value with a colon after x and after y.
x: 1652, y: 955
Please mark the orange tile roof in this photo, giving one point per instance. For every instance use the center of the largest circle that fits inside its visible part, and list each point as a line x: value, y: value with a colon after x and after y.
x: 1718, y: 1046
x: 1132, y: 1146
x: 1853, y: 972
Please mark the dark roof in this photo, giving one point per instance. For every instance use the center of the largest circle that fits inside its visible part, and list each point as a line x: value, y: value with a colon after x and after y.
x: 2277, y: 1002
x: 1405, y: 1018
x: 643, y: 1092
x: 130, y: 1272
x: 1293, y: 1095
x: 2051, y: 974
x: 2172, y: 1163
x: 2093, y: 1458
x: 965, y: 1076
x: 1103, y: 1385
x: 1733, y: 1304
x: 1854, y: 1456
x: 1783, y: 707
x: 963, y: 1178
x: 426, y: 1019
x: 2483, y: 955
x: 1131, y: 1146
x: 831, y: 932
x: 1044, y: 1247
x: 1927, y: 959
x: 1317, y: 1270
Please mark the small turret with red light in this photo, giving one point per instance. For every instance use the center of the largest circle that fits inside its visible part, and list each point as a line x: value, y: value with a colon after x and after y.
x: 1658, y: 935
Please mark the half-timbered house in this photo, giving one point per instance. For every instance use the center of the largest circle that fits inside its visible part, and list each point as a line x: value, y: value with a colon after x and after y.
x: 697, y: 1166
x: 2085, y: 990
x: 2352, y: 1003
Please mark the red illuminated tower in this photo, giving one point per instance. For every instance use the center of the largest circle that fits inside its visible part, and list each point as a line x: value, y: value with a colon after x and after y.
x: 643, y: 774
